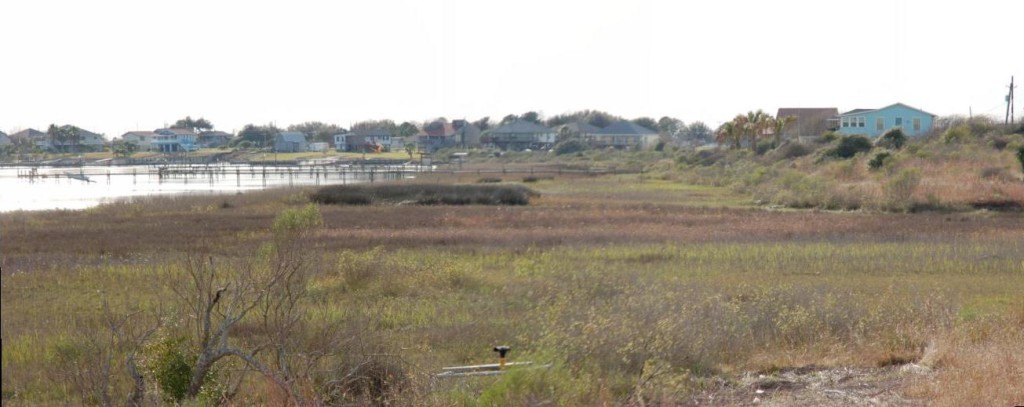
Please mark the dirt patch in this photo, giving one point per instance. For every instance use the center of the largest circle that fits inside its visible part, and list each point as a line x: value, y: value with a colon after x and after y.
x: 818, y: 386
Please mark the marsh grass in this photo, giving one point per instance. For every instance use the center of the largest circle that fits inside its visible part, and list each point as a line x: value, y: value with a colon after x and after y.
x: 631, y: 302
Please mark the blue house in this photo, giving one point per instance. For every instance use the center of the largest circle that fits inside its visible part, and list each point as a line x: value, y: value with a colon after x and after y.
x: 875, y: 122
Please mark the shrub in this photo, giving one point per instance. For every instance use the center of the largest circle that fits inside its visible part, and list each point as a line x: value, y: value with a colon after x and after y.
x: 894, y: 139
x: 791, y: 150
x: 171, y: 367
x: 764, y: 146
x: 489, y: 180
x: 829, y: 137
x: 849, y: 146
x: 660, y: 146
x: 878, y: 160
x: 999, y: 142
x: 569, y: 147
x: 956, y: 134
x: 424, y: 194
x: 1020, y: 156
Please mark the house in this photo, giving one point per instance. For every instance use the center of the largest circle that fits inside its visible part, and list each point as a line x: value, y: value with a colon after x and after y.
x: 290, y: 142
x: 213, y: 139
x: 83, y: 140
x: 142, y: 139
x: 439, y: 134
x: 349, y: 142
x: 624, y: 134
x: 366, y: 140
x: 175, y: 140
x: 5, y: 140
x: 808, y: 123
x: 467, y: 134
x: 875, y: 122
x: 435, y: 136
x: 34, y: 137
x: 521, y: 135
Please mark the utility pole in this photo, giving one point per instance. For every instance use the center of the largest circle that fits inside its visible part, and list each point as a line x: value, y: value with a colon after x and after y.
x: 1009, y: 105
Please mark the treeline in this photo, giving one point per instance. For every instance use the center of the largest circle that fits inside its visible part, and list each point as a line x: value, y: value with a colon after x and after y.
x: 672, y: 129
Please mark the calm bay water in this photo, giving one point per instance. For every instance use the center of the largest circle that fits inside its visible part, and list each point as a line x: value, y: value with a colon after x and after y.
x: 52, y: 188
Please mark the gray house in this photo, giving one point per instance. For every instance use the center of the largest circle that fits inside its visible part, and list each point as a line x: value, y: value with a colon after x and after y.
x: 624, y: 134
x: 808, y: 123
x: 290, y: 142
x: 521, y: 134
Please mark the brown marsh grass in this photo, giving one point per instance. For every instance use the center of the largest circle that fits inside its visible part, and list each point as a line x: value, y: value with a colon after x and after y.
x: 635, y: 293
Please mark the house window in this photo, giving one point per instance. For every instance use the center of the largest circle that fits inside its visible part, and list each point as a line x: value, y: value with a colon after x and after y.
x: 879, y: 124
x: 917, y: 123
x: 899, y: 122
x: 860, y: 121
x: 846, y: 122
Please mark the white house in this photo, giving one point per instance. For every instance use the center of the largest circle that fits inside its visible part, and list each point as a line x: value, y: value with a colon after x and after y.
x: 174, y: 140
x: 142, y: 139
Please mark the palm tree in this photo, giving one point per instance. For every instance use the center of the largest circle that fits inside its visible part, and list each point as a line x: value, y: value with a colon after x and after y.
x: 754, y: 126
x: 779, y: 125
x: 729, y: 133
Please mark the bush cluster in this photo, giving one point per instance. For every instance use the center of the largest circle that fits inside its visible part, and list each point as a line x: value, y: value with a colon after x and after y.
x: 424, y: 194
x: 849, y: 146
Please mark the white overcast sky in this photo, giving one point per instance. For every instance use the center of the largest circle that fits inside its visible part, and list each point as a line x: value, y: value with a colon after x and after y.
x: 113, y: 66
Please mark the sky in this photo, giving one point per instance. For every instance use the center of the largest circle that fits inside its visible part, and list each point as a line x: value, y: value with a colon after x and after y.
x: 111, y: 66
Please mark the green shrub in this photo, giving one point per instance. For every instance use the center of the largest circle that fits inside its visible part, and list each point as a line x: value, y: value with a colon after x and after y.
x: 660, y: 146
x: 849, y: 146
x: 764, y: 146
x: 424, y: 194
x: 894, y: 139
x: 569, y: 147
x: 1020, y: 156
x: 489, y: 180
x: 878, y: 160
x: 957, y: 134
x: 171, y: 366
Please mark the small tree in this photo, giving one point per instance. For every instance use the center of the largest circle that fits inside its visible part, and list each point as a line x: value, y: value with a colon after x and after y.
x: 271, y: 291
x: 124, y: 149
x: 894, y: 139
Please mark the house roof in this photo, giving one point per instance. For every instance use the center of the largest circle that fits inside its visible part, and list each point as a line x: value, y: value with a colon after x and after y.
x: 28, y: 134
x: 82, y: 132
x: 808, y: 113
x: 377, y: 132
x: 175, y: 132
x: 857, y: 111
x: 291, y: 137
x: 626, y: 127
x: 521, y: 127
x: 139, y: 133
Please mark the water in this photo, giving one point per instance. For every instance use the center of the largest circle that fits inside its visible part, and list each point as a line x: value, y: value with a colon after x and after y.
x: 51, y: 188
